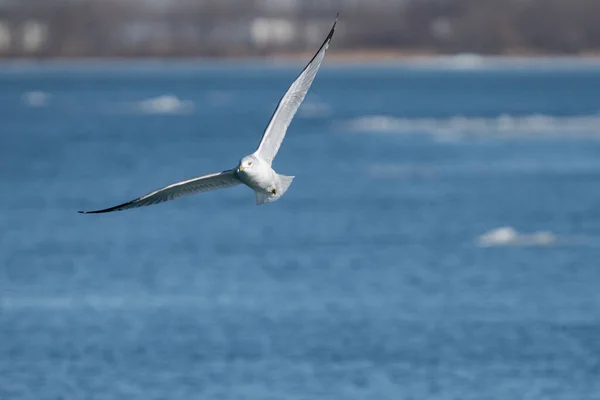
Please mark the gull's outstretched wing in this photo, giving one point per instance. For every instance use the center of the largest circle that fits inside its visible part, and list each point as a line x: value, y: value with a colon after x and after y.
x: 289, y: 104
x: 201, y: 184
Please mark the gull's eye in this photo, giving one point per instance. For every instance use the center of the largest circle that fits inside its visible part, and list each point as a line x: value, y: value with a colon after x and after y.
x: 249, y: 163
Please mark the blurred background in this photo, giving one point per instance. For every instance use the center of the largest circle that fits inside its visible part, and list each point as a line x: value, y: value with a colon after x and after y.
x: 238, y: 28
x: 440, y: 240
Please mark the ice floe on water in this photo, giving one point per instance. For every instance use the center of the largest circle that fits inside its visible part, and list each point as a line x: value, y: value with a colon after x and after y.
x: 35, y: 99
x: 508, y: 236
x: 314, y: 109
x: 503, y: 126
x: 165, y: 104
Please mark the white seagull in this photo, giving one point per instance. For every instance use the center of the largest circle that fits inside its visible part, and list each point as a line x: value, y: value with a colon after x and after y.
x: 254, y: 170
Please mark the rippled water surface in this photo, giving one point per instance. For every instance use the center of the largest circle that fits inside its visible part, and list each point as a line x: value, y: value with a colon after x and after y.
x: 440, y: 239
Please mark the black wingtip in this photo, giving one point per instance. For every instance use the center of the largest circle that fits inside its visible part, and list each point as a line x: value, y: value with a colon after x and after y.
x: 100, y: 211
x: 334, y: 24
x: 89, y: 212
x: 111, y: 209
x: 331, y: 32
x: 97, y: 211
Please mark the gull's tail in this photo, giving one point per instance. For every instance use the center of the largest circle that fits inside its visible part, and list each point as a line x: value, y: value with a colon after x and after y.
x: 283, y: 183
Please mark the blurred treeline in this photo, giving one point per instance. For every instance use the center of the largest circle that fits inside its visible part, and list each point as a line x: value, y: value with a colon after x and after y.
x: 216, y: 28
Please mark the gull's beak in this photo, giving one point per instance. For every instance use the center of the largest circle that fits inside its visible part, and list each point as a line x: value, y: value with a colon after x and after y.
x: 240, y: 168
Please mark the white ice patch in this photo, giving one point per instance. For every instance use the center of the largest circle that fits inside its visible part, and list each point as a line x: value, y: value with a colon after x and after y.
x: 314, y: 109
x: 503, y: 126
x: 35, y: 99
x: 166, y: 104
x: 508, y: 236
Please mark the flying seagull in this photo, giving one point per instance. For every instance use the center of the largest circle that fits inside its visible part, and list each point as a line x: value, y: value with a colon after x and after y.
x: 254, y: 170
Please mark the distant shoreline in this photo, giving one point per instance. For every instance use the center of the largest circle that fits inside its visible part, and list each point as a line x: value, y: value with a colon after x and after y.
x: 359, y: 57
x: 385, y: 55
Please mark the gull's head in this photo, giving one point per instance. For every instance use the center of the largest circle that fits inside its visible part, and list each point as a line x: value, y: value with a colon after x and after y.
x: 247, y: 163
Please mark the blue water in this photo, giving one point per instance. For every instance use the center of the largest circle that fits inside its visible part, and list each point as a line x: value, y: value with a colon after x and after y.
x: 367, y: 280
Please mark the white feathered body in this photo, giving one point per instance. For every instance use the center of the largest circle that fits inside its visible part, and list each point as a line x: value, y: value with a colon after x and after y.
x: 266, y: 183
x: 260, y: 177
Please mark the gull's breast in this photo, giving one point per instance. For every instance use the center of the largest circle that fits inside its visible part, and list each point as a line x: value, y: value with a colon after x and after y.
x: 258, y: 180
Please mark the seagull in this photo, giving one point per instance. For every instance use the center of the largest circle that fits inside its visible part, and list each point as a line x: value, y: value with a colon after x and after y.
x: 253, y: 170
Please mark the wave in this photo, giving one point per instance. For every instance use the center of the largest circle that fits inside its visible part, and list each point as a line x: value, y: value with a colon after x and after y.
x: 166, y: 104
x: 35, y: 99
x: 314, y: 109
x: 508, y: 236
x: 503, y: 126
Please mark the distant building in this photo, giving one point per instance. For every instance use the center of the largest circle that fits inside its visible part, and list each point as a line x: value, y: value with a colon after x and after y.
x: 272, y: 31
x: 33, y: 36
